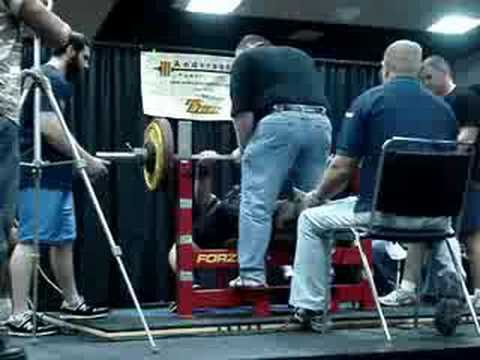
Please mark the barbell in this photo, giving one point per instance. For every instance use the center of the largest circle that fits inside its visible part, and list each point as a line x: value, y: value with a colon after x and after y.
x: 157, y: 155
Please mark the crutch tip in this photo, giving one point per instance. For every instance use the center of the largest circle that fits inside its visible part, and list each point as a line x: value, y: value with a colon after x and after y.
x: 155, y: 349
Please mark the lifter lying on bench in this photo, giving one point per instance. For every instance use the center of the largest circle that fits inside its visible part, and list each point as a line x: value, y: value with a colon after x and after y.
x: 215, y: 221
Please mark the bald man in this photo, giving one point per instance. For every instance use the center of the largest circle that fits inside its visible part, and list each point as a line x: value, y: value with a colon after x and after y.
x: 399, y: 107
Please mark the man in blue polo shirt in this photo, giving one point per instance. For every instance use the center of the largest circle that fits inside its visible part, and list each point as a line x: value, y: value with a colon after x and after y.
x: 400, y: 107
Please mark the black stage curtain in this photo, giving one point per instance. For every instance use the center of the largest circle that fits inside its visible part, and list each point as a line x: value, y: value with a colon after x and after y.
x: 343, y: 82
x: 105, y: 114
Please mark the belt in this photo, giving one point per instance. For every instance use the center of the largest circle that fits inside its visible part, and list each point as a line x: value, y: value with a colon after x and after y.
x: 300, y: 108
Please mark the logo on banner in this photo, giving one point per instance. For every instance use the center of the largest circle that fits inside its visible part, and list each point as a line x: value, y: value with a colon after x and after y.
x: 165, y: 68
x: 217, y: 259
x: 199, y: 106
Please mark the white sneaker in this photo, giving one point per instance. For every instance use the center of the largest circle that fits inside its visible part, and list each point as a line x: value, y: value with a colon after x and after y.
x: 475, y: 298
x: 240, y: 282
x: 399, y: 297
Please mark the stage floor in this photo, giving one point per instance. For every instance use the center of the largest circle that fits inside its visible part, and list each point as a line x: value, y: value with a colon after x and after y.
x: 419, y: 344
x: 125, y: 324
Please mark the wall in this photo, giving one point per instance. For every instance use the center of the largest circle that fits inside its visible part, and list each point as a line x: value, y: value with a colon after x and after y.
x: 467, y: 71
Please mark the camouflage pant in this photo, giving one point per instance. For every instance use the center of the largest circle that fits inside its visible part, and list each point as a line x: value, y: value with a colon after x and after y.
x: 9, y: 175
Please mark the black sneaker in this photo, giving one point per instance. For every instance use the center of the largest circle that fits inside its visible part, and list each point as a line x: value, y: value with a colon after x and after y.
x: 22, y: 325
x: 308, y: 319
x: 450, y: 305
x: 82, y: 311
x: 10, y: 353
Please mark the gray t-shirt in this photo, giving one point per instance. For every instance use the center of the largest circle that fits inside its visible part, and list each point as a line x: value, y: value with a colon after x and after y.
x: 10, y: 59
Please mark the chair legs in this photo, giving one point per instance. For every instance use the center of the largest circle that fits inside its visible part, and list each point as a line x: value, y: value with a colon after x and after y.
x: 372, y: 284
x: 464, y: 287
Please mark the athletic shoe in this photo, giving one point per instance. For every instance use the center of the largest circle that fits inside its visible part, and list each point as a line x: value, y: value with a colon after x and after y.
x: 22, y: 325
x: 308, y: 319
x: 451, y: 304
x: 11, y: 353
x: 240, y: 282
x: 399, y: 297
x: 81, y: 311
x: 476, y: 300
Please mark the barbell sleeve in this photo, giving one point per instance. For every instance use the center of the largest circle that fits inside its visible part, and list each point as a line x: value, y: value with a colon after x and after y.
x: 220, y: 157
x: 127, y: 156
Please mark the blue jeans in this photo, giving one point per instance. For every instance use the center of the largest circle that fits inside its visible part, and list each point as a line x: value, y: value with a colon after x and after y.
x: 9, y: 176
x: 285, y: 145
x: 315, y: 241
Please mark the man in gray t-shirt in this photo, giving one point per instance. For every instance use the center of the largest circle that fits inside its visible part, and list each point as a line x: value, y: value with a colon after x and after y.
x: 13, y: 13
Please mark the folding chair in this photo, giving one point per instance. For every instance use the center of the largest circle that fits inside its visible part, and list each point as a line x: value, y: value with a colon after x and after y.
x: 417, y: 178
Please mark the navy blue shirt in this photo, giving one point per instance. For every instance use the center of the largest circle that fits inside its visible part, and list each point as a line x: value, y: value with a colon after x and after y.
x: 400, y: 107
x: 53, y: 178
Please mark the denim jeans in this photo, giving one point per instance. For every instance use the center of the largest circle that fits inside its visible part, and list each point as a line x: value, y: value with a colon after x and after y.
x: 285, y: 145
x: 310, y: 283
x: 9, y: 176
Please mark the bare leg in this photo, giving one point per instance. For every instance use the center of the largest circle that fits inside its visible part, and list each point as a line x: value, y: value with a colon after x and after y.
x: 413, y: 264
x: 474, y: 245
x: 61, y: 259
x: 21, y: 274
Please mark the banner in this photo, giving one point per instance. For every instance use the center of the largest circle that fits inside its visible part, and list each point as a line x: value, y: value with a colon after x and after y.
x: 186, y: 86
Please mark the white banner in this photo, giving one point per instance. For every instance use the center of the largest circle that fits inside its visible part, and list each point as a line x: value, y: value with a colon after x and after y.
x: 186, y: 86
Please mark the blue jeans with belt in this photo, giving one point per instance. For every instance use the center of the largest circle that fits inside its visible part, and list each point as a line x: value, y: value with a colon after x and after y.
x: 9, y: 175
x: 291, y: 145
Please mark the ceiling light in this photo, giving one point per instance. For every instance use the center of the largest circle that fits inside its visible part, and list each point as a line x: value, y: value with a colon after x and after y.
x: 455, y: 24
x: 213, y: 6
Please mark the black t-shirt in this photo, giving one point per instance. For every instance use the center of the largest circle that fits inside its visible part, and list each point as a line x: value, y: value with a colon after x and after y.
x: 56, y: 177
x: 265, y: 76
x: 466, y: 105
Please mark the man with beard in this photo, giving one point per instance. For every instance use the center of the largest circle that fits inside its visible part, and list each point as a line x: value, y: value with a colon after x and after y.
x: 57, y: 219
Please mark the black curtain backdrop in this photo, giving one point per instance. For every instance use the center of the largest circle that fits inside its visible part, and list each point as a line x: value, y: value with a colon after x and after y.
x: 105, y: 114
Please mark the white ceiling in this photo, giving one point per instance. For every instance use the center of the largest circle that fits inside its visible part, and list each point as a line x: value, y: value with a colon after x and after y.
x: 85, y: 16
x: 400, y: 14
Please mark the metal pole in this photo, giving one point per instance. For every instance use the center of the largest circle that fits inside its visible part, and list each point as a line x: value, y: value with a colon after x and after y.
x: 116, y: 250
x: 37, y: 175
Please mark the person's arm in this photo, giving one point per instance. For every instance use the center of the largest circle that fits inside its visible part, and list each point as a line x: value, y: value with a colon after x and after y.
x: 55, y: 136
x: 335, y: 180
x: 244, y: 125
x: 53, y: 133
x: 467, y: 112
x: 44, y: 22
x: 203, y: 184
x: 468, y: 134
x: 242, y: 93
x: 350, y: 151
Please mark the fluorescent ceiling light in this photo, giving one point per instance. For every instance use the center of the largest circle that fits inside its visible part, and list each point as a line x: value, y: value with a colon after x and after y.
x: 455, y: 24
x: 213, y: 6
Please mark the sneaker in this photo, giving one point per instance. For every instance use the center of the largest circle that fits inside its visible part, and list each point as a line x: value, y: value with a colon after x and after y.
x: 81, y: 311
x: 10, y: 353
x: 240, y: 282
x: 475, y: 298
x: 22, y: 325
x: 399, y: 297
x: 308, y: 319
x: 451, y: 304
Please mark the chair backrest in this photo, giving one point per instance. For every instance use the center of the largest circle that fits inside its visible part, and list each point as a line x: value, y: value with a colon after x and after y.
x: 422, y: 178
